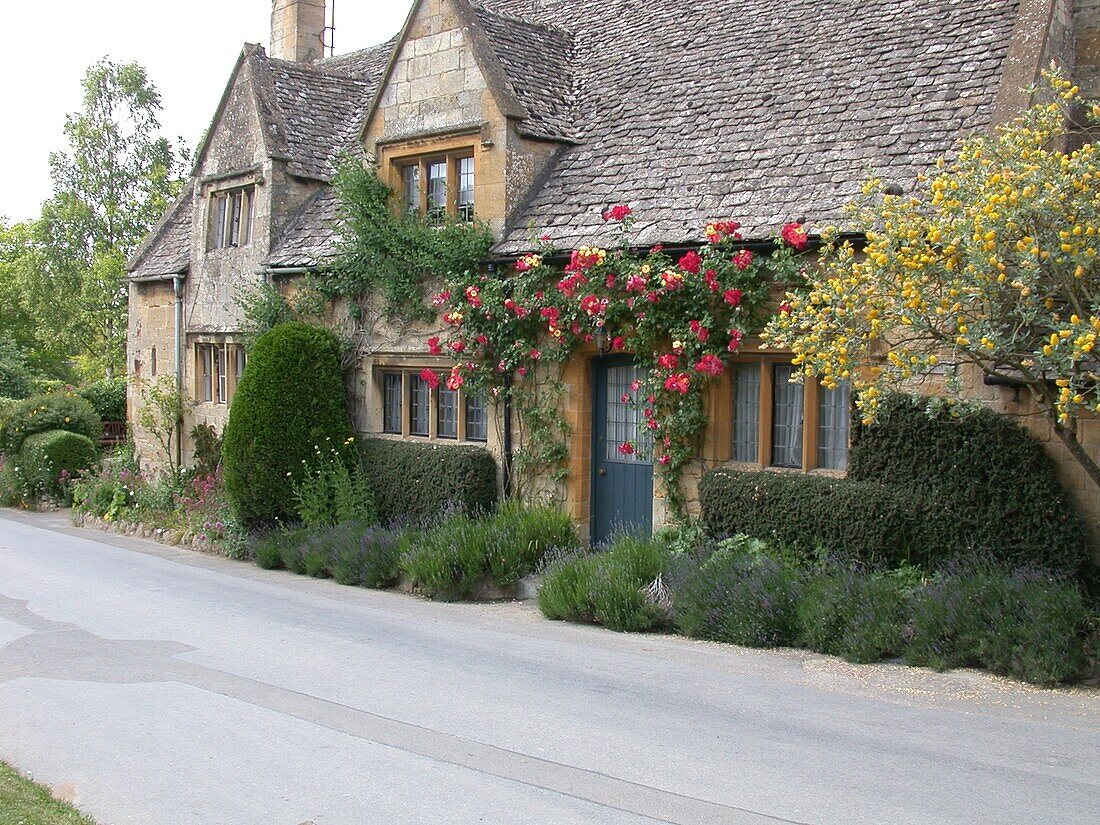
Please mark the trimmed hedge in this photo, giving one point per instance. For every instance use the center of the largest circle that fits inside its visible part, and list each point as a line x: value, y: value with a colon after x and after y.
x: 42, y: 413
x: 860, y: 521
x: 45, y: 455
x: 107, y: 397
x: 928, y: 483
x: 290, y: 400
x: 416, y: 482
x: 983, y: 483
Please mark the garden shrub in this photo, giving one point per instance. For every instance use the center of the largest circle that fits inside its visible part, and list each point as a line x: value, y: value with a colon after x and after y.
x: 14, y: 490
x: 447, y: 561
x: 415, y: 482
x: 206, y: 450
x: 51, y: 458
x: 290, y: 400
x: 981, y: 482
x: 332, y: 489
x: 1024, y: 624
x: 739, y: 595
x: 42, y: 413
x: 519, y: 537
x: 607, y: 587
x: 365, y: 555
x: 861, y: 521
x: 6, y: 406
x: 107, y: 397
x: 852, y: 614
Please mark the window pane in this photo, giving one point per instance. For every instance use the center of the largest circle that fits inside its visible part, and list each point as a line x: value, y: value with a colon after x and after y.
x: 220, y: 203
x: 235, y: 219
x: 833, y: 419
x: 410, y: 188
x: 786, y: 419
x: 419, y: 395
x: 153, y: 362
x: 477, y: 418
x: 391, y: 403
x: 466, y: 189
x: 446, y: 413
x: 219, y: 372
x: 246, y: 230
x: 746, y: 412
x: 437, y: 190
x: 625, y: 419
x: 206, y: 360
x: 240, y: 362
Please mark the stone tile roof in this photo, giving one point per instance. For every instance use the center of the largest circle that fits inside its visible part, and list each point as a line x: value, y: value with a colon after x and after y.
x: 322, y: 106
x: 757, y: 111
x: 167, y: 248
x: 309, y: 239
x: 538, y: 62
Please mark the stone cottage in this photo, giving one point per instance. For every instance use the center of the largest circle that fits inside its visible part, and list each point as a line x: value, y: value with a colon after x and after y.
x: 540, y: 113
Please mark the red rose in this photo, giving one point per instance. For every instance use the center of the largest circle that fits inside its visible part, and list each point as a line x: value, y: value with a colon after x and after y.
x: 626, y: 448
x: 473, y: 297
x: 732, y: 297
x: 690, y: 262
x: 458, y: 346
x: 794, y: 235
x: 668, y: 361
x: 617, y: 343
x: 663, y: 459
x: 617, y: 213
x: 433, y: 345
x: 735, y: 340
x: 440, y: 299
x: 742, y: 258
x: 710, y: 365
x: 454, y: 380
x: 430, y: 378
x: 534, y: 355
x: 678, y: 382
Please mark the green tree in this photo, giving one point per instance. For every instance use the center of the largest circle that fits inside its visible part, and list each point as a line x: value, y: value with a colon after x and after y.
x: 116, y: 178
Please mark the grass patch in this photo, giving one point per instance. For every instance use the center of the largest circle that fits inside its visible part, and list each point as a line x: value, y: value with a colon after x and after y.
x: 23, y: 802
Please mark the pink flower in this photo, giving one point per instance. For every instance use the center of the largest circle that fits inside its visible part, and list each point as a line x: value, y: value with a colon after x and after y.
x: 458, y: 346
x: 522, y: 371
x: 617, y: 343
x: 440, y: 299
x: 678, y: 382
x: 481, y: 339
x: 433, y: 345
x: 609, y: 280
x: 430, y: 378
x: 624, y: 398
x: 663, y: 459
x: 626, y: 448
x: 668, y: 361
x: 635, y: 385
x: 690, y: 262
x: 617, y: 213
x: 591, y: 305
x: 653, y: 297
x: 742, y: 258
x: 794, y: 235
x: 635, y: 283
x: 473, y: 297
x: 710, y: 365
x: 534, y: 355
x: 544, y: 237
x: 732, y: 297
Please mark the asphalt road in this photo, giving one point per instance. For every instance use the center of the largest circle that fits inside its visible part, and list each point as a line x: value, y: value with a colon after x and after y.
x: 153, y: 685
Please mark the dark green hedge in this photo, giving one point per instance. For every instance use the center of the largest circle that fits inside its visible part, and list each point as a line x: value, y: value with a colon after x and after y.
x: 983, y: 484
x: 926, y: 484
x: 861, y: 521
x: 42, y: 413
x: 45, y: 455
x: 107, y: 397
x: 415, y: 482
x: 289, y: 400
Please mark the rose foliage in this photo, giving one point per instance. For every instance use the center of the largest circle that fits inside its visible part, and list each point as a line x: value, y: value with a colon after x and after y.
x: 992, y: 263
x: 682, y: 317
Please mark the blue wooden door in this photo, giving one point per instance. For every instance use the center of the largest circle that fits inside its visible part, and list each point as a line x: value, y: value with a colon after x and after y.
x: 622, y: 484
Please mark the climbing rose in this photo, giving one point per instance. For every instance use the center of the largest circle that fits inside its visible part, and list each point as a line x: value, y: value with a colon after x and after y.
x: 742, y: 258
x: 473, y: 297
x: 718, y: 230
x: 794, y: 235
x: 671, y: 280
x: 668, y: 361
x: 785, y: 307
x: 585, y: 258
x: 453, y: 318
x: 617, y: 343
x: 690, y: 262
x: 433, y: 345
x: 454, y: 380
x: 710, y: 277
x: 591, y: 305
x: 430, y: 378
x: 709, y: 364
x: 635, y: 283
x: 678, y: 382
x: 626, y: 448
x: 635, y: 385
x: 732, y: 297
x: 699, y: 331
x: 534, y: 355
x: 735, y: 340
x: 617, y: 213
x: 458, y: 346
x: 663, y: 459
x: 440, y: 299
x: 528, y: 262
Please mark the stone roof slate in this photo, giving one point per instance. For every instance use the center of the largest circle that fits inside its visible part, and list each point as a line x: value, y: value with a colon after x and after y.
x: 309, y: 239
x: 758, y: 111
x: 538, y: 62
x: 167, y: 250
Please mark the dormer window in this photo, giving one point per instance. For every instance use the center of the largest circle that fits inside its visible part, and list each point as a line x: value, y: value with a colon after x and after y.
x: 438, y: 187
x: 231, y: 218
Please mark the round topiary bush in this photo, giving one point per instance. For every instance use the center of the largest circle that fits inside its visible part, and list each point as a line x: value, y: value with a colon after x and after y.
x: 46, y: 456
x: 291, y: 399
x: 42, y: 413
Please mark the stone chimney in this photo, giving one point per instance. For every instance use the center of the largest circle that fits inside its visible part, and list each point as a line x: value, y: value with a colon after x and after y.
x: 296, y: 30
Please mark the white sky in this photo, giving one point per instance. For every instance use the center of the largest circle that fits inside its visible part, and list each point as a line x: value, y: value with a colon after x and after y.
x: 188, y: 48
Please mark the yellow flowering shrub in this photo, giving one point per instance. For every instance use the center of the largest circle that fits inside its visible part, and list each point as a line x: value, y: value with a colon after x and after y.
x: 992, y: 261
